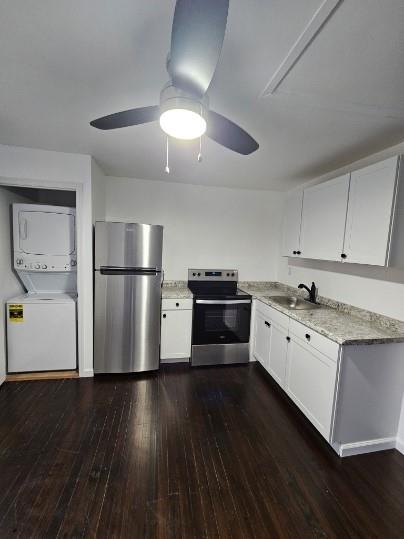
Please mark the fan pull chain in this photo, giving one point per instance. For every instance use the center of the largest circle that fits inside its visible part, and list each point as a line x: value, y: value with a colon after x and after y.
x: 167, y: 169
x: 200, y: 150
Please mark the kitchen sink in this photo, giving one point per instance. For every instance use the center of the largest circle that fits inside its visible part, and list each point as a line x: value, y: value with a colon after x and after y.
x: 294, y: 303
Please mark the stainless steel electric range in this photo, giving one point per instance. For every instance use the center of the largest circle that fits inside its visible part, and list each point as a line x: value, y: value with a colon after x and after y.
x: 221, y: 322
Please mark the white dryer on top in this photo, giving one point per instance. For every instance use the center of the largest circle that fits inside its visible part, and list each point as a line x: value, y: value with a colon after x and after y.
x: 44, y: 240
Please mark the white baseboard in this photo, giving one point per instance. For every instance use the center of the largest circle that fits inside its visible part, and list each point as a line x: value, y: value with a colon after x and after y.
x: 86, y: 373
x: 366, y: 446
x: 400, y: 445
x: 174, y: 360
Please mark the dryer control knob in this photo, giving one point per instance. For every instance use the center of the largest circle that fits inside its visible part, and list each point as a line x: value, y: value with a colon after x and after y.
x: 44, y: 266
x: 73, y: 262
x: 37, y: 266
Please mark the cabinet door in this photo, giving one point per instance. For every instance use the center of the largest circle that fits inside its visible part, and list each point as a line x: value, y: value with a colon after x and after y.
x: 278, y: 353
x: 310, y: 383
x: 370, y: 210
x: 291, y: 223
x: 261, y: 336
x: 323, y: 219
x: 176, y: 330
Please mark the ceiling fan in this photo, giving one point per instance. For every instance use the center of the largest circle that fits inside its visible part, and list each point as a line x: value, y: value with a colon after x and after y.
x: 196, y: 42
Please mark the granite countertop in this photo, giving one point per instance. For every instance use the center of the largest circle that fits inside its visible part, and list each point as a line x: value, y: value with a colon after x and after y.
x: 339, y: 322
x: 176, y: 290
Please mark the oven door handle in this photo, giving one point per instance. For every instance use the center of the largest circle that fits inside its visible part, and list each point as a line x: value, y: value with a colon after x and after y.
x: 221, y: 302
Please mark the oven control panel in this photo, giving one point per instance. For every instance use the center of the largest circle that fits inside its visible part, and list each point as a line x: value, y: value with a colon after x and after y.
x: 212, y: 275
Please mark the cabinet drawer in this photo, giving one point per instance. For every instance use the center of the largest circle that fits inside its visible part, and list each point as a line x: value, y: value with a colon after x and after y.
x: 176, y: 304
x: 273, y: 315
x: 319, y: 342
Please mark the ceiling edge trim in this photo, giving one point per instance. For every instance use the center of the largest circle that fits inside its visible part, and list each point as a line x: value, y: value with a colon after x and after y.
x: 312, y: 29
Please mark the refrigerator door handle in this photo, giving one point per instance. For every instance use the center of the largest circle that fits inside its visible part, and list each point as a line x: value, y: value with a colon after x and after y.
x: 128, y: 271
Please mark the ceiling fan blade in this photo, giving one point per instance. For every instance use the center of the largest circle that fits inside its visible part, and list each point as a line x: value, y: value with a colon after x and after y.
x: 196, y: 41
x: 126, y: 118
x: 229, y: 134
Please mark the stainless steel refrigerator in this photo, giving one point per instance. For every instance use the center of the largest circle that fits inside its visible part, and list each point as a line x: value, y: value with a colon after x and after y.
x: 128, y: 279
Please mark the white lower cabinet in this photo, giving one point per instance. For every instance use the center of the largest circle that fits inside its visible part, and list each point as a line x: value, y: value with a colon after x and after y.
x: 311, y: 382
x: 261, y: 338
x: 352, y: 394
x: 176, y: 330
x: 270, y: 339
x: 278, y: 353
x: 296, y: 359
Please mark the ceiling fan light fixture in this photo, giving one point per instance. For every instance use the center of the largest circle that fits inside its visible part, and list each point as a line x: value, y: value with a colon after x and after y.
x: 182, y: 123
x: 182, y: 115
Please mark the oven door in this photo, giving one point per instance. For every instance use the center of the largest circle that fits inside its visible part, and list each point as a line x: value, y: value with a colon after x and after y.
x: 221, y: 321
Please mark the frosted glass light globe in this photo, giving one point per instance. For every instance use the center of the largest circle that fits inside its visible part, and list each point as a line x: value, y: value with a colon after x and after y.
x: 182, y: 123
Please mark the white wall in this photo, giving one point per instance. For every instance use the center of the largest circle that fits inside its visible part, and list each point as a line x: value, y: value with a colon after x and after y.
x: 10, y: 284
x: 204, y: 226
x: 375, y: 289
x: 58, y: 170
x: 97, y: 191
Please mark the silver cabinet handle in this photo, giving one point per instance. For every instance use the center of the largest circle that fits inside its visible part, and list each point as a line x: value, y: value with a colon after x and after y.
x: 221, y: 302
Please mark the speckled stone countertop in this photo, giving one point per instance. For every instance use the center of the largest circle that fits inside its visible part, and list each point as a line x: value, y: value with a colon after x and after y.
x: 176, y: 290
x: 338, y: 321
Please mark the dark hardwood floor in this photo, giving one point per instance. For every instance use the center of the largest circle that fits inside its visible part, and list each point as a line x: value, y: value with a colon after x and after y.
x: 213, y: 452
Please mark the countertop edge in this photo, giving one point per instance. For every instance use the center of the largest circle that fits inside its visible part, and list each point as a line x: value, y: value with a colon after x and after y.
x: 321, y: 331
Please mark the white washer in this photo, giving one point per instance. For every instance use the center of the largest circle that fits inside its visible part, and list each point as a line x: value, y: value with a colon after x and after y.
x: 41, y: 332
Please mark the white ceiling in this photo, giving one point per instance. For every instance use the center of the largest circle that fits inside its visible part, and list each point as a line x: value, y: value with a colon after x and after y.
x: 64, y: 63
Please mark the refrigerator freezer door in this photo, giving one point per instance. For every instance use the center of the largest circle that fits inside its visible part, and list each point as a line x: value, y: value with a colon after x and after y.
x: 127, y: 322
x: 128, y: 245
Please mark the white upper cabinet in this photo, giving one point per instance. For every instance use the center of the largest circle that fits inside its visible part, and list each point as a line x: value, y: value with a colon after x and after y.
x: 292, y: 223
x: 370, y: 213
x: 323, y: 219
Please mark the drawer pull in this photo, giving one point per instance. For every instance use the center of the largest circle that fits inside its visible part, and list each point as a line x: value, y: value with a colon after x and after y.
x: 308, y: 336
x: 177, y: 304
x: 288, y: 339
x: 267, y: 324
x: 164, y: 315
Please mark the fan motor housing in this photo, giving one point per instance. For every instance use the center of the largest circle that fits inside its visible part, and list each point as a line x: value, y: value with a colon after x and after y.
x: 174, y: 98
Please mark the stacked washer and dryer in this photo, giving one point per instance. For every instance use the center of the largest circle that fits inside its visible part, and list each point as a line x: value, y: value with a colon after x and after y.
x: 41, y: 324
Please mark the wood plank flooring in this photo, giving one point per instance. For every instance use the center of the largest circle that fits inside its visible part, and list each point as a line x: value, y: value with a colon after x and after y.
x: 188, y: 453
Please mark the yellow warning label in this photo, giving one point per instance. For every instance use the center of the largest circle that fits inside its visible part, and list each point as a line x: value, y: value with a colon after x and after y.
x: 16, y: 312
